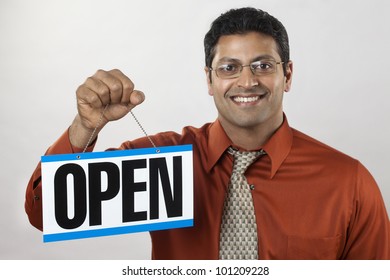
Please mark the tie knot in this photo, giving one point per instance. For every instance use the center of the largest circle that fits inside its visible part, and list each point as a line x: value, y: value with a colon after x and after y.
x: 242, y: 160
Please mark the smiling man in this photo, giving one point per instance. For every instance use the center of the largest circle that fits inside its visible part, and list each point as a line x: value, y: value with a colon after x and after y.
x: 248, y: 87
x: 262, y: 190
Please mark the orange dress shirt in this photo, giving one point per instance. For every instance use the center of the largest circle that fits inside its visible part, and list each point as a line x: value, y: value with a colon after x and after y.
x: 311, y: 201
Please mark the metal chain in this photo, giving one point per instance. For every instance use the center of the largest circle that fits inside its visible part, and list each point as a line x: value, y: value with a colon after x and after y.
x: 94, y: 131
x: 100, y: 120
x: 144, y: 131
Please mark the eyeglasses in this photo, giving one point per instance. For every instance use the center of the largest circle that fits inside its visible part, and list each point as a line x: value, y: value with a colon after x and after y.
x: 233, y: 70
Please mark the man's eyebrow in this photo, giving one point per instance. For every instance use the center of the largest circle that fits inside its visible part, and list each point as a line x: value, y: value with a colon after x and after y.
x: 236, y: 60
x: 228, y: 59
x: 262, y: 57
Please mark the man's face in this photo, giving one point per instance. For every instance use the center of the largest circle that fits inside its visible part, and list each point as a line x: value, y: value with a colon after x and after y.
x: 248, y: 101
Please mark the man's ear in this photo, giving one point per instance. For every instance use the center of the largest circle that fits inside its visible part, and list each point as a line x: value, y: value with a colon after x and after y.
x: 208, y: 78
x: 288, y: 76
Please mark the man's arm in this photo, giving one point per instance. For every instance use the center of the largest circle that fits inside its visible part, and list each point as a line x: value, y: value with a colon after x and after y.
x: 110, y: 88
x: 369, y: 230
x: 33, y: 202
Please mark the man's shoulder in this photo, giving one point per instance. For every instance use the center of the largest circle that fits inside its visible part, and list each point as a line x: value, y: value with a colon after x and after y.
x: 188, y: 135
x: 189, y: 130
x: 202, y: 132
x: 305, y: 144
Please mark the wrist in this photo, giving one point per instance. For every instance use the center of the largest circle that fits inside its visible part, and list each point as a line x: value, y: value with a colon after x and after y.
x: 81, y: 136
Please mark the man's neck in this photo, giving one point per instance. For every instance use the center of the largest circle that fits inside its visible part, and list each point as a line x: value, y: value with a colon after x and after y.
x: 251, y: 138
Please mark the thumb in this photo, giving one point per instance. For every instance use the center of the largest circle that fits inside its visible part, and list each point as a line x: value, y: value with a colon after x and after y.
x: 137, y: 97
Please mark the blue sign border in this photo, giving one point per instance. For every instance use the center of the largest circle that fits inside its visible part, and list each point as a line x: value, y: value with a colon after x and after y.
x: 122, y: 229
x: 116, y: 230
x: 116, y: 153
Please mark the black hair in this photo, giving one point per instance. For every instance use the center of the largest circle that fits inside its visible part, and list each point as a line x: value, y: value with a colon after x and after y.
x: 244, y: 20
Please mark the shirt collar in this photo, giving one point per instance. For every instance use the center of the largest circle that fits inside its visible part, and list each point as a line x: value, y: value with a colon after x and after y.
x: 217, y: 144
x: 277, y: 147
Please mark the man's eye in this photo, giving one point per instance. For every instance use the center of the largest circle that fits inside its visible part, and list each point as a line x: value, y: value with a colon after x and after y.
x: 265, y: 66
x: 228, y: 68
x: 262, y: 66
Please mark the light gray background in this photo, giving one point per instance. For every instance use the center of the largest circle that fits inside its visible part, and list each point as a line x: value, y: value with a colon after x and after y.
x: 340, y: 92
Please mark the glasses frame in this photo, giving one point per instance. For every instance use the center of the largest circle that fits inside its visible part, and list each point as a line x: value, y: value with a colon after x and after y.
x: 238, y: 74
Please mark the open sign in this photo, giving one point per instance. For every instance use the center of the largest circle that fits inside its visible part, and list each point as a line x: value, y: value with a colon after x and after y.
x: 116, y: 192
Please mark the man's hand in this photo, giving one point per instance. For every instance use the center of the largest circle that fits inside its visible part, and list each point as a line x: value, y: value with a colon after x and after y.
x: 105, y: 87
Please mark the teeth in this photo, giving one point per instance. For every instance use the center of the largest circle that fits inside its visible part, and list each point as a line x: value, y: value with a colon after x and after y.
x: 245, y: 99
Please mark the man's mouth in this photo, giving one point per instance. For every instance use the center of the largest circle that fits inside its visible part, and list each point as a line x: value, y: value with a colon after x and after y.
x: 247, y: 99
x: 241, y: 99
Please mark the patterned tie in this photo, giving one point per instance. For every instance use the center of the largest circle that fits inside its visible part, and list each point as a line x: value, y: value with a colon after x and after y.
x: 238, y: 236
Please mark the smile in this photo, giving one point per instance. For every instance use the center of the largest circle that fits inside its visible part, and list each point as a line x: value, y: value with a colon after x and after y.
x: 241, y: 99
x: 248, y: 99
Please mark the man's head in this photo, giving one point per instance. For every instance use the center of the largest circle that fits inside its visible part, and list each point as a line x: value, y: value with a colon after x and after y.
x: 242, y: 21
x: 248, y: 70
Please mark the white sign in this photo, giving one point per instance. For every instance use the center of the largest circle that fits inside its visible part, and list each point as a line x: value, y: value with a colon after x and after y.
x: 116, y: 192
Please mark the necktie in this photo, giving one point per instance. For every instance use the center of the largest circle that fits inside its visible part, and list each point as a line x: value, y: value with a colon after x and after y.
x: 238, y: 236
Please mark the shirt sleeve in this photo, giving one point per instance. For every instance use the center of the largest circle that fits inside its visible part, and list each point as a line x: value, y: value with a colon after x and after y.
x: 369, y: 231
x: 33, y: 201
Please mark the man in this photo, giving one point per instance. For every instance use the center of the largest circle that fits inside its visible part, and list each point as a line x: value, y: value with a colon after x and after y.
x: 299, y: 199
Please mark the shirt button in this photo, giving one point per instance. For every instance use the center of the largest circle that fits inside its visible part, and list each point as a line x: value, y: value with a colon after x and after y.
x: 36, y: 197
x: 251, y: 187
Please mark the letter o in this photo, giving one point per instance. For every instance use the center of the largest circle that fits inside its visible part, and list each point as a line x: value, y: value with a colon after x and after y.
x: 61, y: 199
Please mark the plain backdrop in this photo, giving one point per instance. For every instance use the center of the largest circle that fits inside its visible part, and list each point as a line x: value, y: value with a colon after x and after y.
x: 340, y: 93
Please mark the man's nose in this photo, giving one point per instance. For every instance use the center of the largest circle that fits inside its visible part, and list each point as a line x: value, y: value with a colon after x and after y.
x: 247, y: 79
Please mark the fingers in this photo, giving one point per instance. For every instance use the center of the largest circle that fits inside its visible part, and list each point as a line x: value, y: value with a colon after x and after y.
x: 109, y: 87
x: 118, y: 86
x: 137, y: 97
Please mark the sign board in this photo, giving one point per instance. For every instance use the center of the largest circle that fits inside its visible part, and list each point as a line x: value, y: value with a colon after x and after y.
x: 116, y: 192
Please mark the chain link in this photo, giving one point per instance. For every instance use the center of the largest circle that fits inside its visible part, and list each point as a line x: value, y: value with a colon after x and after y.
x: 143, y: 130
x: 99, y: 123
x: 94, y: 131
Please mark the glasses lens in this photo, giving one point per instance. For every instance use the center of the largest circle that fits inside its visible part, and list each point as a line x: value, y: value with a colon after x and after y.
x: 263, y: 67
x: 228, y: 70
x: 259, y: 68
